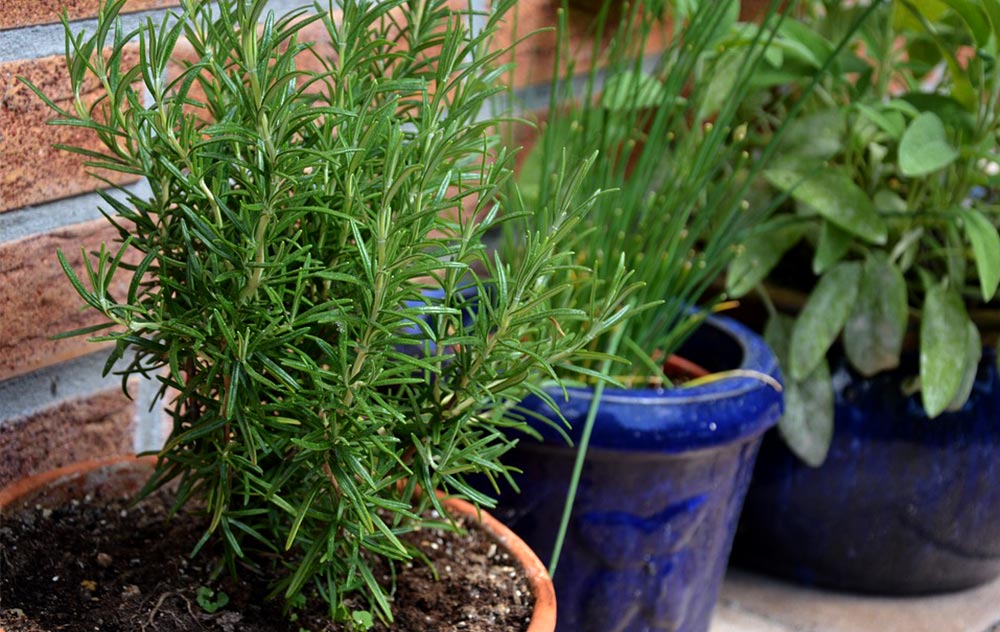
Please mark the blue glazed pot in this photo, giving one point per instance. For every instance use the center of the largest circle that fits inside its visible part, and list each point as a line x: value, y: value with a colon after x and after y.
x: 662, y: 487
x: 903, y: 504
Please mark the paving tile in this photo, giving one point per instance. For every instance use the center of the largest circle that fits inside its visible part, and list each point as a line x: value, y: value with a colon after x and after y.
x: 731, y: 618
x: 801, y: 609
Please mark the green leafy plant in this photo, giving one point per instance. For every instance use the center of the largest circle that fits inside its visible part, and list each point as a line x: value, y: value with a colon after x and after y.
x: 305, y: 199
x: 648, y: 196
x: 362, y: 619
x: 890, y: 173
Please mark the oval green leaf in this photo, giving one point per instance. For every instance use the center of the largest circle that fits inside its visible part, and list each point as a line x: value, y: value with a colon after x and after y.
x: 873, y: 335
x: 758, y: 256
x: 888, y: 120
x: 778, y: 334
x: 834, y: 242
x: 722, y: 85
x: 807, y: 424
x: 822, y: 318
x: 974, y: 353
x: 924, y: 147
x: 985, y: 242
x: 816, y: 136
x: 628, y: 91
x: 837, y: 198
x: 944, y: 335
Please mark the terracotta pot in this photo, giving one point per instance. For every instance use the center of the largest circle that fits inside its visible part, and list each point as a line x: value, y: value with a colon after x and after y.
x: 543, y: 617
x: 119, y: 477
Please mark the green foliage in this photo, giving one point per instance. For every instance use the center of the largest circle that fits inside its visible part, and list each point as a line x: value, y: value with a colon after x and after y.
x: 808, y: 434
x: 278, y: 274
x: 822, y: 318
x: 362, y: 620
x: 924, y: 146
x: 672, y: 168
x: 873, y: 334
x: 890, y: 168
x: 944, y: 336
x: 209, y: 601
x: 835, y: 198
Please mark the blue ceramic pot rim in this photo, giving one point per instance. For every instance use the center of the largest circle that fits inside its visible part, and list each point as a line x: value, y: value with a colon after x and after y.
x: 757, y: 356
x: 683, y: 418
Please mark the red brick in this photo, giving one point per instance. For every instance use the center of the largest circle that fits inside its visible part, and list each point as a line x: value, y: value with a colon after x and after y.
x: 32, y: 171
x: 37, y: 301
x: 27, y: 12
x: 754, y: 10
x: 533, y: 22
x: 99, y: 425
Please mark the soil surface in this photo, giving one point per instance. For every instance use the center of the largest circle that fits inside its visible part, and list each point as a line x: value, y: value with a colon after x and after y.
x: 119, y: 568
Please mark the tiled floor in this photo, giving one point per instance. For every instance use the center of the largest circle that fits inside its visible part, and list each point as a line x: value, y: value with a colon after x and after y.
x: 752, y: 603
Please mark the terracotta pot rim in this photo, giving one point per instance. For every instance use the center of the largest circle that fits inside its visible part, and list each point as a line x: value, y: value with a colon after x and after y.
x: 543, y: 615
x: 16, y: 491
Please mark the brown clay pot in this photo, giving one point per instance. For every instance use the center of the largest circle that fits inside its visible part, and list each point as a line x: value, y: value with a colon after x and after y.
x: 117, y: 477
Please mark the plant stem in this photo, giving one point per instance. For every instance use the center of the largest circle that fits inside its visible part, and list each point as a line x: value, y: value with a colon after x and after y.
x: 581, y: 452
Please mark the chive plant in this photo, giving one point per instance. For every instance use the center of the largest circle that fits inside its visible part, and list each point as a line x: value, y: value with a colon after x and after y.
x: 673, y: 159
x: 307, y: 200
x: 676, y: 169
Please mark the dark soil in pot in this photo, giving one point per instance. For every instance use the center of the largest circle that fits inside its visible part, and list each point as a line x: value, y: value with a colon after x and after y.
x: 107, y: 566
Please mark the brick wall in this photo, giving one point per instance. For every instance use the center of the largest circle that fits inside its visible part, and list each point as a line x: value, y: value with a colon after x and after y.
x: 55, y: 407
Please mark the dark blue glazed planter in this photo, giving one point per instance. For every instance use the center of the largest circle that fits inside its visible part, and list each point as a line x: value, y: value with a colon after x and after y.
x: 661, y: 490
x: 903, y: 504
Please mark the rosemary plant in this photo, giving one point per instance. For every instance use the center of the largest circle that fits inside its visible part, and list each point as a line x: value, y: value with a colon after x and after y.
x: 279, y: 273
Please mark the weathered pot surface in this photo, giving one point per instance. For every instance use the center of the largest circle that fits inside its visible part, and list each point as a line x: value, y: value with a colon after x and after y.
x: 661, y: 489
x: 903, y: 504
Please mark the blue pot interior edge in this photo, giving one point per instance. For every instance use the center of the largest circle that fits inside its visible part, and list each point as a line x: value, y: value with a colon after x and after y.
x: 682, y: 418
